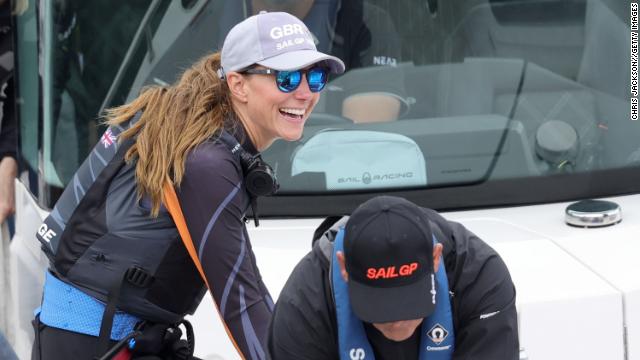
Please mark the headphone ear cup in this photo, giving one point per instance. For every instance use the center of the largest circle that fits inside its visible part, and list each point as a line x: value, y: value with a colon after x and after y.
x: 259, y: 178
x: 261, y: 181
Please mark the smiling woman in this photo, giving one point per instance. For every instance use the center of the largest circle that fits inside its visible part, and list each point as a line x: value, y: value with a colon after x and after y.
x: 110, y: 237
x: 266, y: 111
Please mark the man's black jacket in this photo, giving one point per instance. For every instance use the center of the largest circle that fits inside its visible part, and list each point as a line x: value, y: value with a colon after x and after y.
x: 483, y: 303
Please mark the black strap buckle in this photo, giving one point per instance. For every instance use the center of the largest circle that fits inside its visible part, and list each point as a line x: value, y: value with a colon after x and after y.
x: 138, y: 277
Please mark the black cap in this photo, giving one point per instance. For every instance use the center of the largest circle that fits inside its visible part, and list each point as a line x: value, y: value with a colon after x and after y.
x: 388, y: 251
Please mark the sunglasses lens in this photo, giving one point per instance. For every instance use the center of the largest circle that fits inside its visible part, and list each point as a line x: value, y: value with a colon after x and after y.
x: 317, y: 78
x: 288, y: 80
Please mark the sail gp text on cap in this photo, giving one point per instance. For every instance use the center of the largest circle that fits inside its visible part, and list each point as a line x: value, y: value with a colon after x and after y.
x: 390, y: 271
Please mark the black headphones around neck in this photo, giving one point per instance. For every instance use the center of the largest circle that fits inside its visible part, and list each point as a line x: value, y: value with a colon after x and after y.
x: 259, y: 178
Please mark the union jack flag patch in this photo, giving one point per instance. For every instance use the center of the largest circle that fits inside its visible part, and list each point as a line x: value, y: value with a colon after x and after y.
x: 108, y: 138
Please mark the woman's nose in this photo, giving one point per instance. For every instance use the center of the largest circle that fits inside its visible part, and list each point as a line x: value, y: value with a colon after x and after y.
x: 303, y: 92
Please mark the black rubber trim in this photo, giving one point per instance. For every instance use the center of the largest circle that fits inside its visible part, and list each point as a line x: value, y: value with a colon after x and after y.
x: 491, y: 194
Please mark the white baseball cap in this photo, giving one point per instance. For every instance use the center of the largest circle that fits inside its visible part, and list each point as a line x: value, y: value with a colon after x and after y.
x: 276, y: 40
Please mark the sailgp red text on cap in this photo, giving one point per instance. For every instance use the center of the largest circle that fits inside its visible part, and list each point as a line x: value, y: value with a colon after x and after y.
x: 388, y: 248
x: 277, y: 40
x: 390, y: 272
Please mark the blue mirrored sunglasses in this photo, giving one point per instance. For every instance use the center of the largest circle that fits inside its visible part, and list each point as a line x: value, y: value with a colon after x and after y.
x: 288, y: 81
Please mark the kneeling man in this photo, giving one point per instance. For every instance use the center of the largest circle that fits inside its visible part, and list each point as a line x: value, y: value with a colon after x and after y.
x: 396, y: 281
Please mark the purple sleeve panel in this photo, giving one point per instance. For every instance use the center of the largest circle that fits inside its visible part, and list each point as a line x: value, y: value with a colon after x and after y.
x: 214, y: 202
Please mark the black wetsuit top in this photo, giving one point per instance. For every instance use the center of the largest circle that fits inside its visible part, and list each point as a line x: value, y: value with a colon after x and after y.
x: 304, y: 323
x: 214, y: 202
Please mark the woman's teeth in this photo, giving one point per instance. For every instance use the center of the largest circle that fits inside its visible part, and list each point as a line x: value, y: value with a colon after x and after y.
x: 292, y: 111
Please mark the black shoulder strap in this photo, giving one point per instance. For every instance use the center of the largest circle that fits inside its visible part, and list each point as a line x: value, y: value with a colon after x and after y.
x: 325, y: 240
x: 246, y: 159
x: 326, y: 224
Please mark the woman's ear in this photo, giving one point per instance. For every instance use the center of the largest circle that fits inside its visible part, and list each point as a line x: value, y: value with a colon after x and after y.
x: 237, y: 86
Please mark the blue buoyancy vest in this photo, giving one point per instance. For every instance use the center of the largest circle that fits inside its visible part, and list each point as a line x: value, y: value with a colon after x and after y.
x: 437, y: 334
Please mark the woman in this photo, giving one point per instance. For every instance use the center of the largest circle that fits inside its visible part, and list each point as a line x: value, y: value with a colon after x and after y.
x: 112, y: 243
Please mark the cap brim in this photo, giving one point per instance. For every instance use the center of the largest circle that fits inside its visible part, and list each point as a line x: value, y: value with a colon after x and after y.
x: 381, y: 305
x: 298, y: 59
